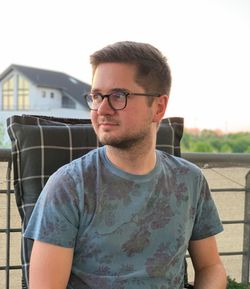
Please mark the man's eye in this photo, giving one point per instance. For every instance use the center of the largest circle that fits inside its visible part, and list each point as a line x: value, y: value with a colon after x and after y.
x: 118, y: 95
x: 96, y: 96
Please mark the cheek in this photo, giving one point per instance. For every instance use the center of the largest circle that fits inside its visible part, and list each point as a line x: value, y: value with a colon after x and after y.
x: 93, y: 117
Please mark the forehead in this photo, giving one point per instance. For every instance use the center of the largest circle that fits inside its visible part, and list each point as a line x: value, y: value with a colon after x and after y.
x: 110, y: 75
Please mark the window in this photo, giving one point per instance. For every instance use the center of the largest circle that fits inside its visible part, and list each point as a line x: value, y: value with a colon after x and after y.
x: 68, y: 102
x: 52, y: 94
x: 23, y: 102
x: 8, y: 94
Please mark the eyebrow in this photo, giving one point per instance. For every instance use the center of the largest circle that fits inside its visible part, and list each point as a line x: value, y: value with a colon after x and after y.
x: 116, y: 89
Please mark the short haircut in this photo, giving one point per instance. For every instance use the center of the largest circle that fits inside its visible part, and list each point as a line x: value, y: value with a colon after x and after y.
x: 153, y: 71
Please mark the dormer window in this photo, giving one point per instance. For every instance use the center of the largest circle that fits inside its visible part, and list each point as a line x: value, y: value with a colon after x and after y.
x: 68, y: 102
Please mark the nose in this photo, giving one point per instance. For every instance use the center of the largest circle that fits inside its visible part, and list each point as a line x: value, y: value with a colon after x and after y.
x: 105, y: 107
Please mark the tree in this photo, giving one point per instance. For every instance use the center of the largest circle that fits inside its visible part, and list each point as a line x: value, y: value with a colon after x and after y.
x: 202, y: 146
x: 1, y: 135
x: 226, y: 148
x: 215, y: 141
x: 4, y: 141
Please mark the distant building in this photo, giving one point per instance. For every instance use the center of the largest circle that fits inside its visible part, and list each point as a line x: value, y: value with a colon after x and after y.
x: 28, y: 90
x: 37, y: 91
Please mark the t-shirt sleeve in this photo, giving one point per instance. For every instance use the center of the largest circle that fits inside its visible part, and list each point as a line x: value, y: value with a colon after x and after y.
x: 207, y: 222
x: 55, y: 217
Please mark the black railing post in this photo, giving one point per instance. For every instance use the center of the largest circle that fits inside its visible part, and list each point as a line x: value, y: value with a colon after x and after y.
x: 246, y: 236
x: 8, y: 214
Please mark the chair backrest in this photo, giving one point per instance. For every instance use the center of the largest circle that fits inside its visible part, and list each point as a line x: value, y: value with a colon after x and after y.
x: 40, y: 145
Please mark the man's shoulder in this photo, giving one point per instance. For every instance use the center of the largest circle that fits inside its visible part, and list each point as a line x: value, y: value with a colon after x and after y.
x: 178, y: 163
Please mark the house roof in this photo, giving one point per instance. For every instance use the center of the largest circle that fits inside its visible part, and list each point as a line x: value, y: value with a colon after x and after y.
x: 69, y: 85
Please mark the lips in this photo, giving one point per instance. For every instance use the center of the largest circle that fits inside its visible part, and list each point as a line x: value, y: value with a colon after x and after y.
x: 107, y: 124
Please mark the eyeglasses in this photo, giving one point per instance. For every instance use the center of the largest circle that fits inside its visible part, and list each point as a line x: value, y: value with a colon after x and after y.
x: 116, y: 99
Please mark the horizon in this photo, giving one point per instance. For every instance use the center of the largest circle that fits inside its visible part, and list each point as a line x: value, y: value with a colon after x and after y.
x: 216, y: 130
x: 227, y: 128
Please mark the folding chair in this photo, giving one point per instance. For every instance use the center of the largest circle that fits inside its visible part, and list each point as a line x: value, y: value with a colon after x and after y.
x: 40, y: 145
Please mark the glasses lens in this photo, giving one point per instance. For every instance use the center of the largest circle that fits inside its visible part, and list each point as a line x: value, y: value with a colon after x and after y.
x: 93, y: 100
x: 118, y: 99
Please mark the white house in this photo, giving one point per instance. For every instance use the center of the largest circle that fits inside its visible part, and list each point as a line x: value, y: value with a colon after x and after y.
x: 37, y: 91
x: 28, y: 90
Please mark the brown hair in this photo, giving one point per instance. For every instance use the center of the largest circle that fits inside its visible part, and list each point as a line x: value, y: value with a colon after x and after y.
x: 153, y: 72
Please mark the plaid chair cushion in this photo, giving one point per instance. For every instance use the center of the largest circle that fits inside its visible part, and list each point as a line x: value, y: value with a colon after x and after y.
x: 40, y: 145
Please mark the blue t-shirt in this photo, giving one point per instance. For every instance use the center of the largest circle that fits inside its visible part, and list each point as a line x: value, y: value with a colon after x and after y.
x: 127, y: 231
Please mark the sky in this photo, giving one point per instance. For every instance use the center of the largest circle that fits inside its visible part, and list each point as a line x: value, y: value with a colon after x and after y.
x: 207, y: 44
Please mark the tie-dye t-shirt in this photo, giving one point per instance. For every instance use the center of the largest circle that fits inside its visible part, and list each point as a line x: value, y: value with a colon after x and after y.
x: 128, y: 231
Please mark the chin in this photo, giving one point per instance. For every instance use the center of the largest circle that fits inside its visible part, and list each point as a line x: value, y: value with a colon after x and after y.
x: 120, y: 143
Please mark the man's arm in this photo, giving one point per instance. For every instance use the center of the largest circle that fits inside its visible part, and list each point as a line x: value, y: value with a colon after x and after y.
x: 209, y: 271
x: 50, y: 266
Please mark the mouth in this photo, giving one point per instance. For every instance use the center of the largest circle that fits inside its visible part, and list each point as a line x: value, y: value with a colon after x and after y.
x: 107, y: 124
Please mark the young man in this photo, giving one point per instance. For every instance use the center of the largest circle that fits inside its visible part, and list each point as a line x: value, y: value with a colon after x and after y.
x: 124, y: 215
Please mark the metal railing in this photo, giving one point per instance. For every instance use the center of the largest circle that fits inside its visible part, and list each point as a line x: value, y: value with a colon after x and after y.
x: 5, y: 156
x: 211, y: 160
x: 203, y: 160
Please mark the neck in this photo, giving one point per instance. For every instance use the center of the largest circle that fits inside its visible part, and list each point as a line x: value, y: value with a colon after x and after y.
x: 138, y: 161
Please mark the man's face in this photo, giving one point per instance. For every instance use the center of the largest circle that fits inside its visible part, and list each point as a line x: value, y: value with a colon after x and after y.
x: 120, y: 128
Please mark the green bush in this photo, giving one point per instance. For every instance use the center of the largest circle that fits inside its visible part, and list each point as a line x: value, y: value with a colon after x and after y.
x: 1, y: 134
x: 4, y: 140
x: 232, y: 284
x: 216, y: 142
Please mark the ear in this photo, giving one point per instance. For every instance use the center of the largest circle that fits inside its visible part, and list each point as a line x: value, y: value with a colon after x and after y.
x: 161, y: 104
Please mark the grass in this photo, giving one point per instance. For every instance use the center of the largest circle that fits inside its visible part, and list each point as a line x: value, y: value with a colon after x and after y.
x: 232, y: 284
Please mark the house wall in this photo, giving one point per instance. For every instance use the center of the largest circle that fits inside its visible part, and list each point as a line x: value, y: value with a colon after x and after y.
x: 42, y: 99
x: 48, y: 99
